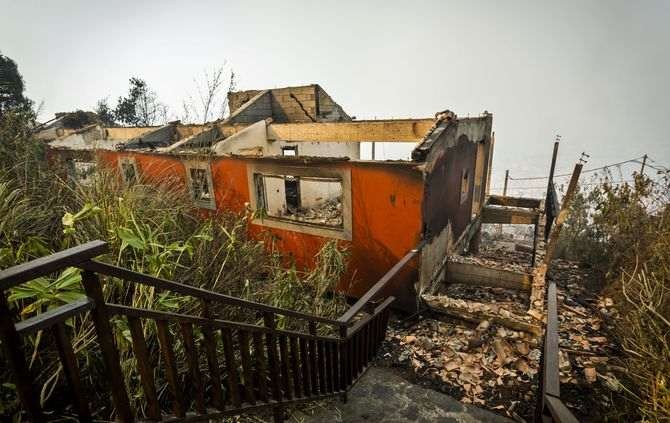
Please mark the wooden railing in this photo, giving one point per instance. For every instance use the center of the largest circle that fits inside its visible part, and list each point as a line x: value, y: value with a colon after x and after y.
x: 263, y: 366
x: 549, y: 407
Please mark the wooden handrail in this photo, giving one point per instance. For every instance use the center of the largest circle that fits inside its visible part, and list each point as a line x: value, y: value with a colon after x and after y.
x: 359, y: 305
x: 549, y: 405
x: 129, y: 275
x: 43, y: 266
x: 117, y: 309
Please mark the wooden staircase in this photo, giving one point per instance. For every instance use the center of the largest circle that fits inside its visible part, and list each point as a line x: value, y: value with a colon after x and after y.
x: 261, y: 366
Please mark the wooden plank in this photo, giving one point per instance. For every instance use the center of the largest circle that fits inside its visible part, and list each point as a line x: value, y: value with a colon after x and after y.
x: 209, y: 340
x: 231, y: 368
x: 247, y: 370
x: 295, y: 366
x: 500, y: 200
x: 273, y: 358
x: 71, y: 370
x: 559, y: 411
x: 387, y: 130
x: 306, y: 368
x: 323, y: 371
x: 477, y: 317
x: 261, y: 367
x: 335, y: 368
x: 53, y: 316
x: 539, y: 274
x: 191, y: 352
x: 328, y: 363
x: 145, y: 368
x: 13, y: 347
x: 43, y: 266
x: 509, y: 215
x: 478, y: 275
x: 129, y: 275
x: 110, y: 355
x: 284, y: 361
x: 551, y: 383
x: 313, y: 362
x: 165, y: 344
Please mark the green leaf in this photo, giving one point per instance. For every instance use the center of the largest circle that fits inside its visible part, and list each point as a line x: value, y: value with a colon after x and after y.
x: 128, y: 237
x: 67, y: 278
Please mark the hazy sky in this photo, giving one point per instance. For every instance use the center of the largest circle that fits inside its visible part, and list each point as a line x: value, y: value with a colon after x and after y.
x: 594, y: 71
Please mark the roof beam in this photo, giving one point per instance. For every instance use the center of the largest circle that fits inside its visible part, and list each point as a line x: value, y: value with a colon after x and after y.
x: 401, y: 130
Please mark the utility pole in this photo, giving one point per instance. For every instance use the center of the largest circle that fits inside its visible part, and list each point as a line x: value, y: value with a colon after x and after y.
x: 505, y: 186
x: 500, y: 228
x: 644, y: 163
x: 553, y: 164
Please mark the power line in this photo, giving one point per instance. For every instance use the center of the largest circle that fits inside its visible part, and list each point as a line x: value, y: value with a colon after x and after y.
x: 538, y: 178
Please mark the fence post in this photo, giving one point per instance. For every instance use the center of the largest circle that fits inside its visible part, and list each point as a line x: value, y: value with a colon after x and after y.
x: 110, y: 355
x: 17, y: 362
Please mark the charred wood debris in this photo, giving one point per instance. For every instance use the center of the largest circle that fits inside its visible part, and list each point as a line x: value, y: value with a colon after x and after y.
x: 491, y: 365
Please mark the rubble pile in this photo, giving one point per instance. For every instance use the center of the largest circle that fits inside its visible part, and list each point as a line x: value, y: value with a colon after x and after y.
x: 495, y: 262
x: 482, y: 298
x: 497, y: 367
x: 328, y: 212
x: 476, y: 360
x: 506, y: 257
x: 507, y: 310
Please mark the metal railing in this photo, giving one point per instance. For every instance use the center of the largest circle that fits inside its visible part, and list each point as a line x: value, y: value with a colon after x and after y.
x: 263, y: 366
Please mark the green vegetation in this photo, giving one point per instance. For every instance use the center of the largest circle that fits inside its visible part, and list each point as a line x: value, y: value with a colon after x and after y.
x: 623, y: 232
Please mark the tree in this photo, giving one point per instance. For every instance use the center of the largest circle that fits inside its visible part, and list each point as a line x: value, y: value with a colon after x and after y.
x: 105, y: 113
x: 212, y: 99
x: 11, y: 87
x: 141, y: 106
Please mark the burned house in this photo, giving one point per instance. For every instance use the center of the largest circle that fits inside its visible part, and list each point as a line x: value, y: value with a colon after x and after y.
x: 293, y: 157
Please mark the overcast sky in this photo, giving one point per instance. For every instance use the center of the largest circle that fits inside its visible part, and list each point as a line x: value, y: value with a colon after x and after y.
x: 595, y: 72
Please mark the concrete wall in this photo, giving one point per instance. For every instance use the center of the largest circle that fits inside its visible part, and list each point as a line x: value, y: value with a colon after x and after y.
x: 385, y: 201
x: 309, y: 103
x: 257, y: 140
x: 256, y: 108
x: 329, y: 110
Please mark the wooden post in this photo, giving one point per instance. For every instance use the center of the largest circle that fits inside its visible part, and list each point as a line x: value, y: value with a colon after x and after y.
x: 644, y: 163
x: 344, y: 357
x: 17, y: 362
x: 539, y: 274
x: 551, y: 170
x: 373, y: 150
x: 506, y: 180
x: 500, y: 228
x: 110, y: 355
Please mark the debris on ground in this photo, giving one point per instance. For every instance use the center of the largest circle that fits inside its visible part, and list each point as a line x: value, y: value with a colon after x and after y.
x: 493, y: 366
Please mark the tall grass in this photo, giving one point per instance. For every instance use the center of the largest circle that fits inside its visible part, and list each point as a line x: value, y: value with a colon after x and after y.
x: 623, y: 232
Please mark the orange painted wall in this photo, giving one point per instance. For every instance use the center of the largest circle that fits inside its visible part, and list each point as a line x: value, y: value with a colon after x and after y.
x: 386, y: 216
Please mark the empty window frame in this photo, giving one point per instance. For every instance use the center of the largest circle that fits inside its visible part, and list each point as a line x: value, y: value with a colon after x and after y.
x: 199, y: 177
x: 465, y: 185
x: 128, y: 169
x: 289, y: 150
x: 80, y: 171
x: 306, y: 200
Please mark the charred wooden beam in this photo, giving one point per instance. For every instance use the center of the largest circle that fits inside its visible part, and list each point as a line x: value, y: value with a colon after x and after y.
x: 509, y: 215
x: 502, y: 200
x: 479, y: 275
